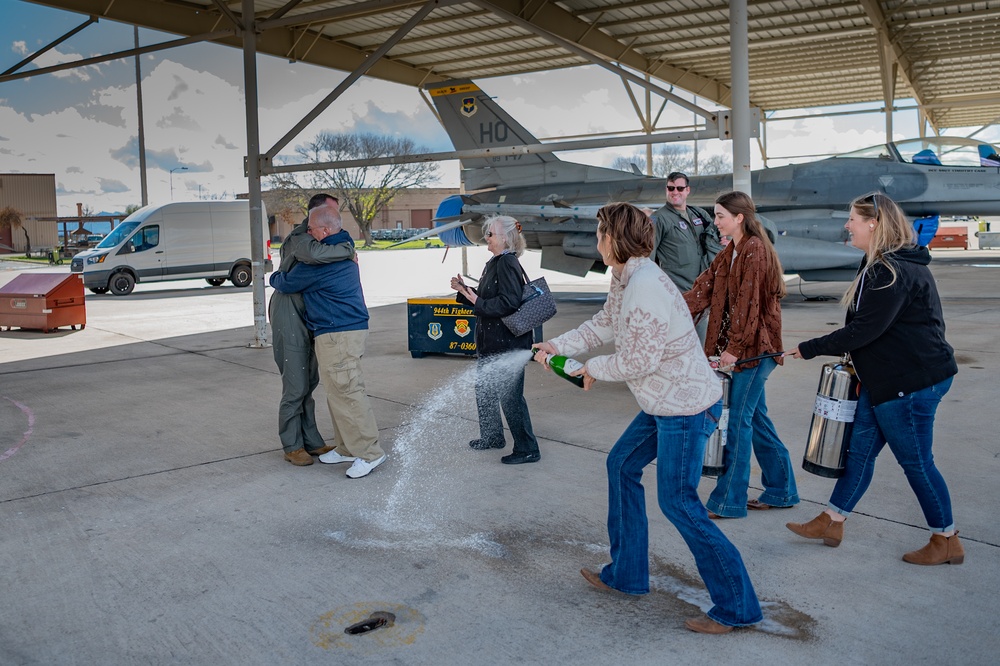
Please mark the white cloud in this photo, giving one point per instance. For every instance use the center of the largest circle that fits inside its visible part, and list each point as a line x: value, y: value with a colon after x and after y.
x: 56, y: 57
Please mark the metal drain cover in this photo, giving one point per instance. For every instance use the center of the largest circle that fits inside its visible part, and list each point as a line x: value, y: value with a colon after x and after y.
x: 374, y: 621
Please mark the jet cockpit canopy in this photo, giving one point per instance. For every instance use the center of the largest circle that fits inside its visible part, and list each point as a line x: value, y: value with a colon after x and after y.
x: 939, y: 150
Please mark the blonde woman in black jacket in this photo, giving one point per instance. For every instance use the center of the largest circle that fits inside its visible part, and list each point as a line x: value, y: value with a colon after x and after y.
x: 895, y: 335
x: 499, y: 384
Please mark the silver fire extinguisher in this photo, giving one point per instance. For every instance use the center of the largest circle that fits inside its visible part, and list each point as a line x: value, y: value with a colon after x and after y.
x: 714, y: 463
x: 832, y: 420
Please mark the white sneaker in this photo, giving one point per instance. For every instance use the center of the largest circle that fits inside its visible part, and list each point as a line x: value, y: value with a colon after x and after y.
x: 332, y: 458
x: 362, y: 468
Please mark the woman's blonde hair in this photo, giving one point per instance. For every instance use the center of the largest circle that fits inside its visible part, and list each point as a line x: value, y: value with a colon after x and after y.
x: 740, y: 203
x: 510, y: 232
x: 892, y: 232
x: 630, y: 231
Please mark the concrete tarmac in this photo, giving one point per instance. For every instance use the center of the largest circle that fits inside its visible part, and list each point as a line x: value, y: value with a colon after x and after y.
x: 147, y: 515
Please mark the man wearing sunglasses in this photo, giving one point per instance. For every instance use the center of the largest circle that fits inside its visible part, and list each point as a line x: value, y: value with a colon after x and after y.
x: 686, y: 238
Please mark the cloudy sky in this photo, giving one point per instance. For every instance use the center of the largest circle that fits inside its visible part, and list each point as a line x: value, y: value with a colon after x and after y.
x: 81, y: 124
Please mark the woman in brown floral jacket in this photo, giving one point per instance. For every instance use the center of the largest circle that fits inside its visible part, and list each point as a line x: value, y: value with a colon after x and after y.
x: 742, y: 289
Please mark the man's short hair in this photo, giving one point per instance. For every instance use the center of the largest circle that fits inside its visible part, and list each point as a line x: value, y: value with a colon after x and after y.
x: 674, y: 175
x: 324, y: 216
x: 317, y: 200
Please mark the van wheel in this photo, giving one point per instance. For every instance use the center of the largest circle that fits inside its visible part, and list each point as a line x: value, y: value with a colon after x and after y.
x: 121, y: 284
x: 241, y: 276
x: 99, y: 290
x: 215, y: 282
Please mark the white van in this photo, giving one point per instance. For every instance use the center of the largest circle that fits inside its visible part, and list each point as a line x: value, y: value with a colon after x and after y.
x: 175, y: 241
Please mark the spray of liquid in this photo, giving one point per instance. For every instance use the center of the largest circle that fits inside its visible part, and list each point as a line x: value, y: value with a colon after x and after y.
x: 432, y: 436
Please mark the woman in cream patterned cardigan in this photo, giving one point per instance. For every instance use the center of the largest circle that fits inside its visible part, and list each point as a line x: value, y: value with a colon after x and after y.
x: 657, y: 354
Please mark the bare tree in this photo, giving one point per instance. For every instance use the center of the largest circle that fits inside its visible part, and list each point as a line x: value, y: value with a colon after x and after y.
x: 716, y: 164
x: 622, y: 163
x: 363, y: 190
x: 667, y: 158
x: 10, y: 217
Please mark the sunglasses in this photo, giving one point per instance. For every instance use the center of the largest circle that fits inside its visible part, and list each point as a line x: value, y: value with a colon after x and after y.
x: 676, y: 188
x: 875, y: 206
x: 489, y: 234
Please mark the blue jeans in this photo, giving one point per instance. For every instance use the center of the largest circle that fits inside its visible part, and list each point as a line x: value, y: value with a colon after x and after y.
x: 677, y: 443
x: 750, y: 428
x: 907, y: 425
x: 500, y: 386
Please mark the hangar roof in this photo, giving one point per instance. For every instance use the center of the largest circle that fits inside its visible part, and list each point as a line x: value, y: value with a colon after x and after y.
x: 803, y: 53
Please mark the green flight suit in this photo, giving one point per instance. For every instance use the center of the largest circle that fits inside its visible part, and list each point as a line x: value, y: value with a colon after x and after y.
x: 293, y: 343
x: 685, y: 244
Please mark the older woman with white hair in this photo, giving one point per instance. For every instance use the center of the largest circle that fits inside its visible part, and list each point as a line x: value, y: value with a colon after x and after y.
x: 500, y: 384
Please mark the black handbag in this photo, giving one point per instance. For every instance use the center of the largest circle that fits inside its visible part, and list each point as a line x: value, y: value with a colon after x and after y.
x: 537, y: 307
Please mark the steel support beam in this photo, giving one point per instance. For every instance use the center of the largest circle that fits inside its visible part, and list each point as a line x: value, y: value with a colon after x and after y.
x: 332, y: 14
x: 739, y: 59
x: 894, y: 54
x: 162, y: 46
x: 50, y: 45
x: 253, y: 175
x: 598, y: 60
x: 710, y: 133
x: 284, y: 9
x: 142, y: 128
x: 237, y: 23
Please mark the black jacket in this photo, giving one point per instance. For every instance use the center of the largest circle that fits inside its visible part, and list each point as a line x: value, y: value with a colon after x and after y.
x: 499, y: 292
x: 895, y: 334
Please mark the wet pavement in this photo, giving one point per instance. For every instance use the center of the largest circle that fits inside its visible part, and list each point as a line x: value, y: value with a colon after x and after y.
x: 148, y: 516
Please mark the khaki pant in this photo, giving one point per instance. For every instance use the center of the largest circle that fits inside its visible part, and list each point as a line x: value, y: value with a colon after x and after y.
x: 339, y: 356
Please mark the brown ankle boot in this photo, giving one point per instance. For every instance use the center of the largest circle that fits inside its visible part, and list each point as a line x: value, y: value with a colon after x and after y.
x: 821, y: 527
x: 940, y: 550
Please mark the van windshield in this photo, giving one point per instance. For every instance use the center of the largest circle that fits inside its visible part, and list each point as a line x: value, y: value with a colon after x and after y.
x: 120, y: 233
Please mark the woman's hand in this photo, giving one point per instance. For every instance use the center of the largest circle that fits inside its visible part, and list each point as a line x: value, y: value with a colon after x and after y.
x: 588, y: 381
x: 792, y: 354
x: 726, y: 361
x: 458, y: 285
x: 545, y: 349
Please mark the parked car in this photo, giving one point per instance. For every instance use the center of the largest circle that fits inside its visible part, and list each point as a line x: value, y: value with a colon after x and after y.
x: 175, y: 241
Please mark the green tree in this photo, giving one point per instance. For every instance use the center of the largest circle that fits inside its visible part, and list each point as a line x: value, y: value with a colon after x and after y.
x: 131, y: 208
x: 10, y: 217
x: 363, y: 190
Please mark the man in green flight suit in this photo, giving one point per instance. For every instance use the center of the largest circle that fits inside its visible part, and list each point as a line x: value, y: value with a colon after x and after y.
x: 687, y: 239
x: 293, y: 343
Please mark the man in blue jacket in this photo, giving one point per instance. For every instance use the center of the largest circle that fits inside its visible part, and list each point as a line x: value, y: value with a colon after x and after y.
x: 337, y: 316
x: 292, y: 343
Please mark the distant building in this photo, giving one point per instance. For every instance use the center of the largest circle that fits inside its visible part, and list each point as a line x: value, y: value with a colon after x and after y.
x: 34, y: 196
x: 410, y: 209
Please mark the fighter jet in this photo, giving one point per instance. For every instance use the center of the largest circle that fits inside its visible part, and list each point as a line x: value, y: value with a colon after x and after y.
x: 803, y: 205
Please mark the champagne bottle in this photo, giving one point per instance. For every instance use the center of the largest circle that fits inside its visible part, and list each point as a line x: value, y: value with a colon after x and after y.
x: 563, y: 366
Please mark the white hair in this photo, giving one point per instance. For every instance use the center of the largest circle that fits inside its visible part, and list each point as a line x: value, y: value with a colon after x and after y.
x: 510, y: 232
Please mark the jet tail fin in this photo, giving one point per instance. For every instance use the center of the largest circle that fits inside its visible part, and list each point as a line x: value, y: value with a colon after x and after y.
x: 473, y: 120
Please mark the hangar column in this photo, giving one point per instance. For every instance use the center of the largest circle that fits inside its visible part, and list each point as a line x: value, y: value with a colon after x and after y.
x: 739, y: 59
x: 253, y: 174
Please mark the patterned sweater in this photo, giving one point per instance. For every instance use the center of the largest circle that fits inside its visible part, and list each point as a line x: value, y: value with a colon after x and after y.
x: 656, y: 348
